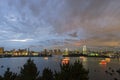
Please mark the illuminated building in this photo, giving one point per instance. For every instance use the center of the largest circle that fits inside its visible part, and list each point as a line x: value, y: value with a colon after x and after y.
x: 84, y: 49
x: 35, y: 53
x: 45, y: 51
x: 1, y: 50
x: 50, y: 51
x: 57, y: 51
x: 20, y: 52
x: 66, y: 51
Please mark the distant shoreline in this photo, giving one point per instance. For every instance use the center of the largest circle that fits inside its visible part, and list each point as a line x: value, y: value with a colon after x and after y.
x: 81, y: 55
x: 6, y: 56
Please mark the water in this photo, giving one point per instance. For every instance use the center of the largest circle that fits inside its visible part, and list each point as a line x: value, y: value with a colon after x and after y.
x: 96, y: 70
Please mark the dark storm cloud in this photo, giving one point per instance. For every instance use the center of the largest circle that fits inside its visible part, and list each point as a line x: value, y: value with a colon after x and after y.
x: 74, y: 34
x: 60, y: 22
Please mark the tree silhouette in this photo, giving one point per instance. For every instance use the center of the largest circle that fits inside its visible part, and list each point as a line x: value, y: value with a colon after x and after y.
x: 47, y: 74
x: 8, y: 75
x: 74, y: 71
x: 29, y: 71
x: 1, y: 78
x: 78, y: 72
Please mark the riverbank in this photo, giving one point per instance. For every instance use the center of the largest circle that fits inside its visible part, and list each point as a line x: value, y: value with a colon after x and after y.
x: 84, y: 55
x: 41, y: 55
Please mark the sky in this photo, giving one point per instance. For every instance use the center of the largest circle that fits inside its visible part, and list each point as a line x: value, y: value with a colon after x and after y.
x: 51, y: 24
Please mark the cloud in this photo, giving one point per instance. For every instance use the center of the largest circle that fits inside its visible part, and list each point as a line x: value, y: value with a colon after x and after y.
x: 62, y: 23
x: 21, y: 40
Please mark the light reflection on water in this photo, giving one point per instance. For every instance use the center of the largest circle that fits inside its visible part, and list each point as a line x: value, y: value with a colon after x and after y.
x: 96, y: 70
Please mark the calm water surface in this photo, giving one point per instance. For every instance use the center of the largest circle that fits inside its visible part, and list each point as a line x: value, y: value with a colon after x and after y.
x: 96, y: 70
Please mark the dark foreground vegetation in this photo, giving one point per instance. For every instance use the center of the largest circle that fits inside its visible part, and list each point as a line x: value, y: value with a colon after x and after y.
x: 29, y: 72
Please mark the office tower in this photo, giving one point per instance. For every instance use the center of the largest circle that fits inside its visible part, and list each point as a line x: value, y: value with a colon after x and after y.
x: 84, y: 49
x: 66, y: 51
x: 1, y: 50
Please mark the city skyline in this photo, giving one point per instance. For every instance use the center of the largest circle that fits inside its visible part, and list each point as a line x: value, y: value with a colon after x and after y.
x: 59, y: 23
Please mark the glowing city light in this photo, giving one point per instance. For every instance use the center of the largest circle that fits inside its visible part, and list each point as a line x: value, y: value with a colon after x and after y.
x: 103, y: 62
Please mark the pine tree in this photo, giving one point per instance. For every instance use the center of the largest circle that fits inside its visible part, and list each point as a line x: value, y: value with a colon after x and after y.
x: 1, y: 78
x: 74, y: 71
x: 8, y: 75
x: 47, y: 74
x: 29, y: 71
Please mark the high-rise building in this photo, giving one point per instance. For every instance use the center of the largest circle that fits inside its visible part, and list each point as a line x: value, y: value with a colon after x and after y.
x: 66, y: 51
x: 1, y: 50
x: 84, y: 49
x: 51, y: 52
x: 57, y: 51
x: 45, y: 51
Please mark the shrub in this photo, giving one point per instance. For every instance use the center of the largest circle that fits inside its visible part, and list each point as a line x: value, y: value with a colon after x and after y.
x: 29, y: 71
x: 47, y: 74
x: 8, y: 75
x: 74, y: 71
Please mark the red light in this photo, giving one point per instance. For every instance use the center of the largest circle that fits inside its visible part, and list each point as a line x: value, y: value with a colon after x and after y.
x: 103, y: 62
x: 65, y: 61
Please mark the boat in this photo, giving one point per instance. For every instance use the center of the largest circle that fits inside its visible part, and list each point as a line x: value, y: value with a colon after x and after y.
x: 65, y: 61
x: 46, y: 58
x: 103, y: 62
x: 107, y: 59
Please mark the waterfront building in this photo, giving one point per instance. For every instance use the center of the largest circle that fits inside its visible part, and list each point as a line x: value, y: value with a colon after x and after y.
x: 20, y: 52
x: 45, y: 51
x: 1, y: 50
x: 50, y: 51
x: 84, y: 49
x: 66, y: 51
x: 57, y: 51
